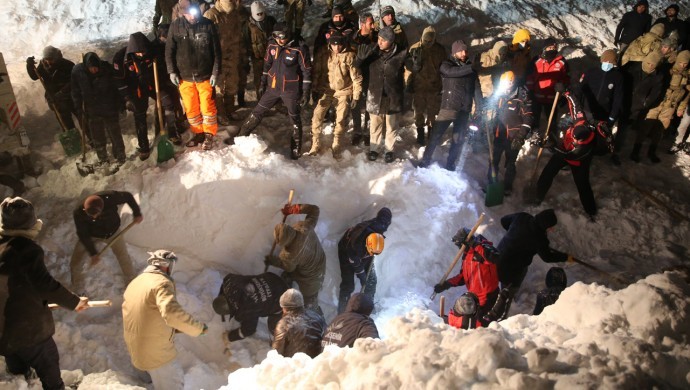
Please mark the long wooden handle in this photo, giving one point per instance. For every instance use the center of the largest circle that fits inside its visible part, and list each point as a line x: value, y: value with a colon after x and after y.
x: 459, y: 254
x: 442, y: 306
x: 602, y: 272
x: 105, y: 303
x: 546, y: 135
x: 115, y: 238
x: 275, y: 241
x: 159, y: 105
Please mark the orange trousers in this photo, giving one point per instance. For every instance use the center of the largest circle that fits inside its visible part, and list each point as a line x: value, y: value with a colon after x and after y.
x: 200, y: 106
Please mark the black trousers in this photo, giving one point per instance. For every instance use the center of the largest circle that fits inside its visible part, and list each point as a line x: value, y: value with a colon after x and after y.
x: 347, y: 276
x: 65, y: 108
x: 44, y: 358
x: 545, y: 109
x: 99, y: 126
x: 170, y: 100
x: 501, y: 147
x: 580, y: 175
x: 270, y: 98
x: 443, y: 122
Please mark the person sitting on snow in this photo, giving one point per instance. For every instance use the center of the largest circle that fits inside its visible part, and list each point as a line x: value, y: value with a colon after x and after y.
x: 246, y: 299
x: 478, y: 271
x: 355, y: 323
x: 556, y: 282
x: 300, y: 329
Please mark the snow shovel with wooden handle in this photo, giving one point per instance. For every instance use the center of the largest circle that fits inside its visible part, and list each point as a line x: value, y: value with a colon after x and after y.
x: 275, y: 241
x: 115, y: 238
x: 460, y: 252
x: 104, y: 303
x: 495, y: 189
x: 165, y: 149
x: 83, y: 168
x: 530, y: 192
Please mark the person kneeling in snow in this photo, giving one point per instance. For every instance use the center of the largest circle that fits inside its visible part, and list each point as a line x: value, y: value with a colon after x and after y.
x: 302, y: 256
x: 354, y: 324
x: 300, y: 329
x: 525, y: 237
x: 465, y: 313
x: 556, y: 282
x: 246, y: 298
x: 478, y: 271
x: 151, y: 316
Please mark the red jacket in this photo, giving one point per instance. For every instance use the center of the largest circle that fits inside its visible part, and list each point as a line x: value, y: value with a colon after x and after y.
x: 578, y: 142
x: 544, y: 76
x: 481, y: 277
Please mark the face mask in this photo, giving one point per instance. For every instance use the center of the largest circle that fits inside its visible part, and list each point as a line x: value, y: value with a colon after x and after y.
x: 606, y: 66
x: 338, y: 23
x: 522, y: 45
x: 549, y: 55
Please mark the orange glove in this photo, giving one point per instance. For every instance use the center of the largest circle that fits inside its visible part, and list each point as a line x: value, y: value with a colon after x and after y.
x: 290, y: 209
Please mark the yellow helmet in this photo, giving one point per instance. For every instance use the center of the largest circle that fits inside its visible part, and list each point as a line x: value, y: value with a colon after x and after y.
x: 375, y: 243
x: 508, y: 77
x: 521, y: 35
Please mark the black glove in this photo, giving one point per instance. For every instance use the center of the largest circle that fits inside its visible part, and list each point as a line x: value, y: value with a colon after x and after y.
x: 362, y: 278
x: 610, y: 122
x: 476, y: 65
x: 31, y: 61
x: 516, y: 143
x: 559, y: 87
x: 129, y: 106
x: 354, y: 103
x: 442, y: 287
x: 306, y: 95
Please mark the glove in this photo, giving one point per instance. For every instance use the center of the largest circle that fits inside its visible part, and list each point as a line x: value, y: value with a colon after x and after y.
x: 354, y: 103
x: 362, y: 278
x: 290, y: 209
x: 441, y: 287
x: 476, y: 65
x: 559, y: 87
x: 31, y: 61
x: 305, y: 98
x: 175, y: 79
x: 610, y: 122
x: 516, y: 143
x: 213, y: 80
x: 129, y: 106
x: 570, y: 260
x: 270, y: 260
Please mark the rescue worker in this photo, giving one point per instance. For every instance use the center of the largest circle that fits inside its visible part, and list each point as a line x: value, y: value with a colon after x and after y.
x: 601, y: 90
x: 26, y: 286
x: 478, y: 271
x: 386, y: 60
x: 228, y: 17
x: 55, y: 72
x: 464, y: 313
x: 248, y: 298
x: 151, y: 316
x: 425, y: 81
x: 633, y: 24
x: 294, y: 16
x: 301, y: 255
x: 356, y: 251
x: 460, y: 90
x: 95, y: 96
x: 491, y: 65
x: 346, y: 6
x: 259, y: 30
x: 556, y: 282
x: 366, y: 35
x: 520, y: 56
x: 193, y: 58
x: 355, y: 323
x: 300, y: 329
x: 340, y: 84
x: 647, y: 43
x: 387, y: 14
x: 97, y: 217
x: 337, y: 25
x: 133, y: 66
x: 286, y: 77
x: 162, y: 13
x: 513, y: 124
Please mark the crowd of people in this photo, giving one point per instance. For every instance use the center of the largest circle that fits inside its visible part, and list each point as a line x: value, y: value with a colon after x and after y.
x: 362, y: 69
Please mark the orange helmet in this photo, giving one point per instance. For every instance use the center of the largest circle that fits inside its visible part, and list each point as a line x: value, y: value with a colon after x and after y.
x: 375, y: 243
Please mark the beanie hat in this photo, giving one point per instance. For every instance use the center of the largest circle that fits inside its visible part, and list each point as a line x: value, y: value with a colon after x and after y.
x: 609, y: 56
x: 337, y: 10
x: 546, y: 219
x: 280, y: 27
x: 162, y: 258
x: 258, y: 8
x: 336, y: 39
x: 384, y: 216
x: 291, y: 299
x: 466, y: 305
x: 429, y: 33
x: 521, y: 35
x: 673, y: 6
x: 93, y: 205
x: 387, y: 10
x: 457, y: 46
x: 360, y: 303
x: 387, y: 33
x: 556, y: 277
x: 654, y: 58
x: 550, y: 41
x: 51, y: 53
x: 17, y: 214
x: 683, y: 56
x: 658, y: 29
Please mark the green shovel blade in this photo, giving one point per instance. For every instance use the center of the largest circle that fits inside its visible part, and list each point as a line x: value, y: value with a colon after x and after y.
x: 494, y: 194
x: 165, y: 149
x: 70, y: 141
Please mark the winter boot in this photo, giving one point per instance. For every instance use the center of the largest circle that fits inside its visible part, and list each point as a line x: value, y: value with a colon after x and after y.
x: 635, y: 154
x: 143, y: 154
x: 356, y: 139
x: 336, y: 148
x: 315, y: 145
x: 420, y: 136
x: 372, y: 155
x: 197, y: 140
x: 651, y: 153
x: 389, y: 157
x: 240, y: 99
x: 208, y: 141
x: 249, y: 125
x: 296, y: 142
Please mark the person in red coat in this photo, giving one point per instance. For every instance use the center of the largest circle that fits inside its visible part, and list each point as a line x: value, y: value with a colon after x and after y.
x: 549, y: 69
x: 463, y: 315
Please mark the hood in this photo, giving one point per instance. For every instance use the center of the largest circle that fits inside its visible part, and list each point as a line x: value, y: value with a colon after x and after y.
x: 138, y: 43
x: 382, y: 220
x: 546, y: 219
x: 284, y: 234
x: 52, y: 53
x: 429, y: 31
x: 642, y: 2
x: 500, y: 49
x: 225, y: 6
x: 91, y: 59
x: 360, y: 303
x: 658, y: 30
x: 556, y: 278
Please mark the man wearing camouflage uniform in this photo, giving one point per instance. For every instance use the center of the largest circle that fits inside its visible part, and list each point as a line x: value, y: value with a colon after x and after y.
x: 491, y: 65
x: 257, y: 32
x: 644, y: 45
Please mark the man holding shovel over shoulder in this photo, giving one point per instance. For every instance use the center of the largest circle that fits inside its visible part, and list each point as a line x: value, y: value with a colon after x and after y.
x: 97, y: 218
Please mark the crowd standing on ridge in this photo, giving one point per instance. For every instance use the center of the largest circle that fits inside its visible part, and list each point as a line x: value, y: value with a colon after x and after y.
x: 363, y: 69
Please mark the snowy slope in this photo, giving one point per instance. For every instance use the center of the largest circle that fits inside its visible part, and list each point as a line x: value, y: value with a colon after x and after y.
x: 216, y: 210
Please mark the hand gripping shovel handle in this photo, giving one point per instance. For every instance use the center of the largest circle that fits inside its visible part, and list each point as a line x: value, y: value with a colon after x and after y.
x: 601, y: 272
x: 159, y: 105
x: 462, y: 249
x: 275, y: 242
x: 115, y: 238
x: 105, y: 303
x: 546, y: 136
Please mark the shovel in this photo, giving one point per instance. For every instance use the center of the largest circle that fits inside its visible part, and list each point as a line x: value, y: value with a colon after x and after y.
x: 530, y: 192
x: 495, y: 189
x: 84, y: 168
x: 165, y: 149
x: 275, y: 242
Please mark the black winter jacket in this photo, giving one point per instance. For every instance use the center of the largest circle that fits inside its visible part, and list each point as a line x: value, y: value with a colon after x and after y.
x: 300, y: 330
x: 524, y: 239
x: 351, y: 325
x: 97, y: 92
x: 26, y: 318
x: 251, y: 297
x: 57, y: 78
x: 133, y: 74
x: 677, y: 25
x: 631, y: 26
x: 193, y: 50
x: 546, y: 297
x: 514, y: 115
x: 347, y: 30
x: 107, y: 223
x: 354, y: 242
x: 644, y: 90
x: 386, y: 71
x: 287, y: 68
x: 460, y: 86
x: 601, y: 93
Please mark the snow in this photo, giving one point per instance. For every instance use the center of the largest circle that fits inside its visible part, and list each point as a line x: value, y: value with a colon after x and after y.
x: 217, y: 210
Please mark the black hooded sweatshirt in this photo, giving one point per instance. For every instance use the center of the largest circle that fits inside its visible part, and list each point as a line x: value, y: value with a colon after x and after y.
x: 353, y: 324
x: 354, y: 241
x: 95, y: 93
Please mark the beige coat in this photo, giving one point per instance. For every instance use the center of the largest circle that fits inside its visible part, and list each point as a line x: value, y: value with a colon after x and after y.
x: 640, y: 47
x: 675, y: 98
x: 428, y: 77
x: 336, y: 73
x: 493, y: 64
x: 150, y: 316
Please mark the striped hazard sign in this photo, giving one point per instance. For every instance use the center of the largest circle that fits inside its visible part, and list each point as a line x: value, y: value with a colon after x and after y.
x: 13, y: 115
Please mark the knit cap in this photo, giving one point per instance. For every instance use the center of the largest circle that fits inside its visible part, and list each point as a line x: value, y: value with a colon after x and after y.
x: 609, y: 56
x: 17, y: 214
x: 291, y: 299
